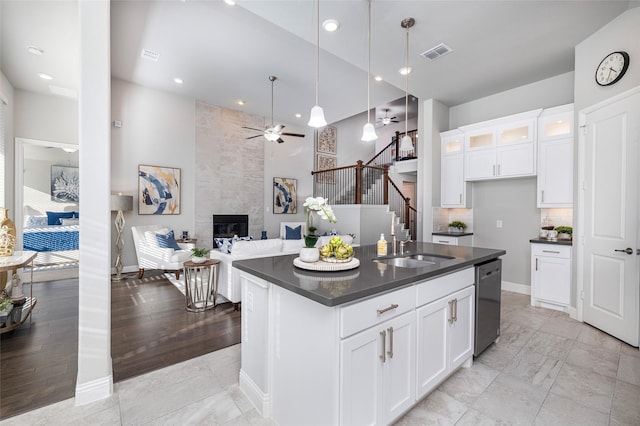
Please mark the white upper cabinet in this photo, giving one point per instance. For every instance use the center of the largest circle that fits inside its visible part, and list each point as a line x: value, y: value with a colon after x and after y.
x: 501, y: 148
x: 454, y: 191
x: 555, y: 157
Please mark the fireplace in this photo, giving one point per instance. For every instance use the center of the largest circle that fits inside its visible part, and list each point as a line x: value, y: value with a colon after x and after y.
x: 228, y: 225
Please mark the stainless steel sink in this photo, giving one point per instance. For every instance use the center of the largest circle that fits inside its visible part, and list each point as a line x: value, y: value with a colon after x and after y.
x: 416, y: 260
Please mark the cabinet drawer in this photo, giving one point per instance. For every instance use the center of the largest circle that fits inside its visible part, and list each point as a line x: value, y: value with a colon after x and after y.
x: 429, y: 291
x: 367, y: 313
x: 551, y: 250
x: 442, y: 239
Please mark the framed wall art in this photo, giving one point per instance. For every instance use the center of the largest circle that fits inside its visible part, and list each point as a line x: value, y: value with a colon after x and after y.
x: 284, y: 195
x: 158, y: 190
x: 326, y: 140
x: 324, y: 162
x: 65, y: 184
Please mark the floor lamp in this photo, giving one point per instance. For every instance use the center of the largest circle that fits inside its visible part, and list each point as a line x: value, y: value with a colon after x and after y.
x: 120, y: 203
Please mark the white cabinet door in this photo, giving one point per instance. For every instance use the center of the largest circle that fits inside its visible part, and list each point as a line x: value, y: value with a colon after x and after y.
x: 361, y: 376
x: 555, y: 173
x: 432, y: 366
x: 516, y: 160
x: 552, y: 279
x: 462, y: 327
x: 399, y: 366
x: 452, y: 185
x: 377, y: 376
x: 480, y: 164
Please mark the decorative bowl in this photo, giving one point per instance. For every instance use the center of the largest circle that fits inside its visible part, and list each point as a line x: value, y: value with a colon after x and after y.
x: 336, y: 260
x: 197, y: 259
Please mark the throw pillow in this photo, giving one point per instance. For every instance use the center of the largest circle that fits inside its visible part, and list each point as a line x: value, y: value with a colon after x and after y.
x: 76, y: 215
x: 35, y: 221
x: 67, y: 222
x: 167, y: 241
x: 53, y: 218
x: 293, y: 233
x: 224, y: 244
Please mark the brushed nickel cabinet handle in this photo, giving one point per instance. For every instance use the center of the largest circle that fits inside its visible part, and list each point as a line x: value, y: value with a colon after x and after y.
x: 390, y: 351
x: 551, y: 251
x: 455, y: 310
x: 536, y: 263
x: 494, y: 169
x: 460, y: 198
x: 388, y: 308
x: 450, y: 319
x: 383, y: 334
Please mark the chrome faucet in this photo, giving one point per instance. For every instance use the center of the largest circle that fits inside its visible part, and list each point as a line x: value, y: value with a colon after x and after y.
x: 402, y: 243
x: 393, y: 243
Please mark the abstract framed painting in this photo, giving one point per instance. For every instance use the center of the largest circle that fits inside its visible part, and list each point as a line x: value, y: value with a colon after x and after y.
x: 327, y: 140
x: 65, y: 184
x: 158, y: 190
x: 324, y: 162
x: 284, y: 195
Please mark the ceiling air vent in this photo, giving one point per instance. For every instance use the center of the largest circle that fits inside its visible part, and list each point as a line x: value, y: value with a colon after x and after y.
x: 436, y: 52
x: 150, y: 55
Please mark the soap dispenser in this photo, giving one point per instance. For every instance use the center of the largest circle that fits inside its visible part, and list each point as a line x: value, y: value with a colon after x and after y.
x: 382, y: 246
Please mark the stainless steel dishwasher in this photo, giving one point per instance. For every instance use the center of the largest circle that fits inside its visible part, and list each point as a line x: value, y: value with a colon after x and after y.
x: 488, y: 286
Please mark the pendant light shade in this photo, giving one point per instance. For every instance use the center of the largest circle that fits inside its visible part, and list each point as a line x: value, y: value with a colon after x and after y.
x: 405, y: 143
x: 316, y: 119
x: 368, y: 131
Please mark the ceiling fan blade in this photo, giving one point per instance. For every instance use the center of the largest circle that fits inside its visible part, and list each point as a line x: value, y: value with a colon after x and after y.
x: 277, y: 128
x: 280, y: 140
x: 298, y: 135
x: 251, y: 128
x: 256, y: 136
x: 394, y: 121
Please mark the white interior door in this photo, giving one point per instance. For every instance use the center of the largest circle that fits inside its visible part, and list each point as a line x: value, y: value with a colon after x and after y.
x: 610, y: 262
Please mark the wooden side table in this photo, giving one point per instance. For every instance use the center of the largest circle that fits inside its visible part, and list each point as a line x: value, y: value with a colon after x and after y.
x: 23, y: 310
x: 201, y: 284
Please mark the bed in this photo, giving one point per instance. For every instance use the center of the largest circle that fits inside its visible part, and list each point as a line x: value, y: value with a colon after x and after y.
x: 51, y: 238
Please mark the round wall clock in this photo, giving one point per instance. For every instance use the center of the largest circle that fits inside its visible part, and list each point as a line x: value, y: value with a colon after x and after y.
x: 612, y: 68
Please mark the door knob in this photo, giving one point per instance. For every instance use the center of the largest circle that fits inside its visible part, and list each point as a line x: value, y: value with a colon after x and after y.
x: 628, y: 250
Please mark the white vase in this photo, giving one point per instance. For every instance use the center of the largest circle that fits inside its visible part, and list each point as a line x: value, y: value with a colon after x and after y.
x: 309, y: 254
x: 198, y: 259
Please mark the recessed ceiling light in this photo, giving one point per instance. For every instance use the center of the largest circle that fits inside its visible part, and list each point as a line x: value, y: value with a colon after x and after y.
x: 377, y: 78
x: 405, y: 71
x: 240, y: 102
x: 70, y: 150
x: 330, y: 25
x: 298, y: 115
x: 44, y: 76
x: 35, y: 50
x: 230, y: 2
x: 178, y: 80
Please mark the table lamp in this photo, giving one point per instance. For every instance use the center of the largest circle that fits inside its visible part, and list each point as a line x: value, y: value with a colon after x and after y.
x: 120, y: 203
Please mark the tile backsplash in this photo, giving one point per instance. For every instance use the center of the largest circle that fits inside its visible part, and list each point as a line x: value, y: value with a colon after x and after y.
x: 442, y: 218
x: 557, y: 217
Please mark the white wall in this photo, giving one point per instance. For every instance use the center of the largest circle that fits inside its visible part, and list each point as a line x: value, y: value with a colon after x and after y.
x: 350, y: 147
x: 46, y: 118
x: 158, y: 128
x: 8, y: 182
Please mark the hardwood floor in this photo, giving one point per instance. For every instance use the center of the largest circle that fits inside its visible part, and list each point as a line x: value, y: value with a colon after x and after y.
x: 150, y: 329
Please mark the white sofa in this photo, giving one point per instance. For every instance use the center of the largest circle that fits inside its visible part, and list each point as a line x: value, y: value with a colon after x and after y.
x: 229, y: 278
x: 152, y: 256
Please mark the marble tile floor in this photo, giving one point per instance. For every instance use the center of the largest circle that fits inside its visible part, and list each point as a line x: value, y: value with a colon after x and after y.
x: 547, y: 369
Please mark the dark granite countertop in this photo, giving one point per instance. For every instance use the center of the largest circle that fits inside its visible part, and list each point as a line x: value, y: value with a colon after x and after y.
x: 539, y: 240
x: 452, y: 234
x: 370, y: 278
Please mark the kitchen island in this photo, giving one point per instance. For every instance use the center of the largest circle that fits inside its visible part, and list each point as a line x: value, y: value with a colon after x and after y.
x: 359, y: 346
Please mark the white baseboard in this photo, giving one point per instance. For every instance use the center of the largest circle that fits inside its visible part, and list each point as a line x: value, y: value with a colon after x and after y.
x: 516, y: 288
x: 259, y: 399
x: 94, y: 390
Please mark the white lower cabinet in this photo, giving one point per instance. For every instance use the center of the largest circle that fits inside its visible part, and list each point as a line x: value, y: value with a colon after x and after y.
x: 445, y: 338
x: 361, y: 363
x: 378, y: 372
x: 551, y: 276
x: 464, y: 240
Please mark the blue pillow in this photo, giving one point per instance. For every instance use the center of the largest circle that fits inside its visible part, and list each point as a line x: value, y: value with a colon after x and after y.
x: 293, y: 233
x: 76, y: 215
x: 167, y: 241
x: 53, y: 218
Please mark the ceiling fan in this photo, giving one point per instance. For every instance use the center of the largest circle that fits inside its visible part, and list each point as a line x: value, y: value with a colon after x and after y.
x: 273, y: 133
x: 386, y: 119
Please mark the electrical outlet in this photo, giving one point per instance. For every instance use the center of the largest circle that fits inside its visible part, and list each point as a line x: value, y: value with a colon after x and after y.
x: 499, y: 223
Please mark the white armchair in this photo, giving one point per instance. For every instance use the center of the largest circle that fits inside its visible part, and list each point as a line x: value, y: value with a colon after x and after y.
x: 152, y: 256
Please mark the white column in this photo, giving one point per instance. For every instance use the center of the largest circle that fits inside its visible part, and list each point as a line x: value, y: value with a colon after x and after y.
x: 95, y: 379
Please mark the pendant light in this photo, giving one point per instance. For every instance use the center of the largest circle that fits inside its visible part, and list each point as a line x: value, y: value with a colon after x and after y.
x: 316, y: 119
x: 368, y: 131
x: 405, y: 143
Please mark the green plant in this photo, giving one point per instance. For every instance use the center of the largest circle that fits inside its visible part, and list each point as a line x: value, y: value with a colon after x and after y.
x: 564, y: 230
x: 200, y: 252
x: 458, y: 224
x: 4, y: 303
